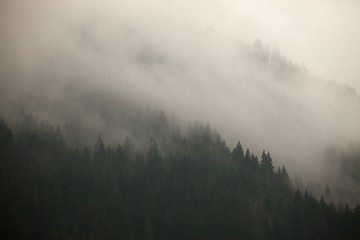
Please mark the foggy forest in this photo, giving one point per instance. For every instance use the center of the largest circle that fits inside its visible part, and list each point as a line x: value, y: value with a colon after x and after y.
x: 169, y: 119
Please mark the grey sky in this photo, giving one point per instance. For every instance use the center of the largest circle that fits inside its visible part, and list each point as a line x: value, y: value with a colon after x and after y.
x: 324, y: 34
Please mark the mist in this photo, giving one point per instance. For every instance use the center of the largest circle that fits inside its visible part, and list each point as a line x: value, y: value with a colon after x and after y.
x: 195, y: 61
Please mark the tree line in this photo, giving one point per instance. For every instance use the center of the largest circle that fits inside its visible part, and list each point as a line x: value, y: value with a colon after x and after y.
x: 180, y: 186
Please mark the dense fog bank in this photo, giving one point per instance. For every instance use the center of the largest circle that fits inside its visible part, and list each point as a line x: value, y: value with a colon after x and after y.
x: 94, y: 65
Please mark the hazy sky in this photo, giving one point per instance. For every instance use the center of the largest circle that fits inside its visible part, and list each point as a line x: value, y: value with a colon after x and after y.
x: 324, y: 34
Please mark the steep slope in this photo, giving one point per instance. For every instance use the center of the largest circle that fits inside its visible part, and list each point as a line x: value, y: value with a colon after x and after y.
x: 198, y: 190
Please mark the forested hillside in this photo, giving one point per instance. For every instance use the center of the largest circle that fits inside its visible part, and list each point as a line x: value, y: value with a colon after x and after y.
x: 184, y: 184
x: 147, y: 120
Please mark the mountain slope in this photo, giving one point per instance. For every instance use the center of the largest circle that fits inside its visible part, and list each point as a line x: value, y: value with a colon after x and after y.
x: 51, y: 190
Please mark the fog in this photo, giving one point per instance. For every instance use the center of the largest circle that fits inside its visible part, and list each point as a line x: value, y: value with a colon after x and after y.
x: 191, y: 58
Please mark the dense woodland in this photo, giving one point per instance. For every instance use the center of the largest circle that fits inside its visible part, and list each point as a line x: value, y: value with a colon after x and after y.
x: 182, y: 185
x: 87, y: 165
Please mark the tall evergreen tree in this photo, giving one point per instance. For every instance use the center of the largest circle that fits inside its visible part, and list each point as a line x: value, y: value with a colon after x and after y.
x: 266, y: 162
x: 238, y: 153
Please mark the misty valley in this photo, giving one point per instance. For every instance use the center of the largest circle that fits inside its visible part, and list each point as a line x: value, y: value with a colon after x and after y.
x: 166, y: 120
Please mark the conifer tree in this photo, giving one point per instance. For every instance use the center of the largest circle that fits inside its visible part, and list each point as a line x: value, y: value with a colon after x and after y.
x: 237, y: 153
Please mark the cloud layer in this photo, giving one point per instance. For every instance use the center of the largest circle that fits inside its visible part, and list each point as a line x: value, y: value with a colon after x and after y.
x: 189, y: 58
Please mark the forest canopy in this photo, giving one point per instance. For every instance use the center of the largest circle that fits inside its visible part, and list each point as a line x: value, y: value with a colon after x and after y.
x: 182, y: 186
